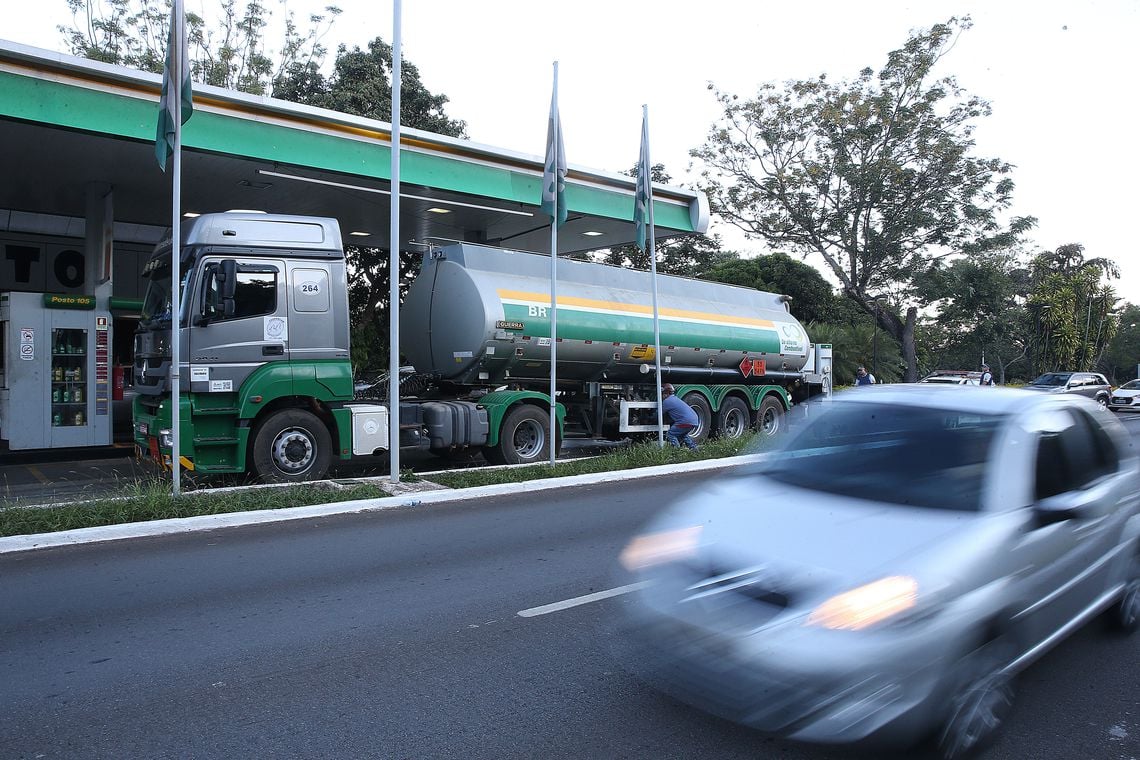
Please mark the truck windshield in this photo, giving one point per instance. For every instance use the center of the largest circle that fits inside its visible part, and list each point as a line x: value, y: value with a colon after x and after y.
x: 156, y: 303
x: 913, y: 456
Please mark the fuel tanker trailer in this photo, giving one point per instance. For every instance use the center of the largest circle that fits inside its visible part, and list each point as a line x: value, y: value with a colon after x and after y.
x: 267, y: 384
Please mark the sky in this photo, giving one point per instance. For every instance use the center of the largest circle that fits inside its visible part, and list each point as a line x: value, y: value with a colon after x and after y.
x: 1059, y: 74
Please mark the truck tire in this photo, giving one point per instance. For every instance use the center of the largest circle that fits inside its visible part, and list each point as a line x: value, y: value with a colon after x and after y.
x: 291, y: 445
x: 733, y: 419
x: 770, y: 416
x: 524, y: 437
x: 700, y: 405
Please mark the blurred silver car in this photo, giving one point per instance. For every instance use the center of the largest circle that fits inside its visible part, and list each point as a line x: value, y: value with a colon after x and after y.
x: 883, y: 577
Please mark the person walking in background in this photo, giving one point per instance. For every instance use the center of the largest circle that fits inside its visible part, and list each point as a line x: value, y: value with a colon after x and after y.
x: 863, y: 377
x: 987, y: 377
x: 682, y: 417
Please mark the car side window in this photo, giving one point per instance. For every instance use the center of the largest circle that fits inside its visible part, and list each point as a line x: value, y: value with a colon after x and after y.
x: 1068, y: 459
x: 1105, y: 454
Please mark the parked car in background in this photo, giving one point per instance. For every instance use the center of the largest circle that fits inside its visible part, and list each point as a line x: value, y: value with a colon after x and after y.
x: 1088, y: 384
x: 1126, y: 398
x: 883, y: 576
x: 952, y: 377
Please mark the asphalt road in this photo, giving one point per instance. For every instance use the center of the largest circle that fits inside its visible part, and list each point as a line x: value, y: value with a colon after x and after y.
x: 397, y: 635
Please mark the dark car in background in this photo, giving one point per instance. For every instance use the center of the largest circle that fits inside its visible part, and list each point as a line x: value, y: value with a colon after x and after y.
x: 1088, y: 384
x: 884, y: 575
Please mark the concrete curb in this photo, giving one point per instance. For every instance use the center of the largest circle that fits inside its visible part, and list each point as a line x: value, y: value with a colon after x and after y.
x: 11, y: 544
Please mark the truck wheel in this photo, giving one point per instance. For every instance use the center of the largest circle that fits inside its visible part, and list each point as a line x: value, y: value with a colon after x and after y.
x: 290, y: 446
x: 770, y: 416
x: 523, y: 437
x: 700, y: 405
x: 733, y: 418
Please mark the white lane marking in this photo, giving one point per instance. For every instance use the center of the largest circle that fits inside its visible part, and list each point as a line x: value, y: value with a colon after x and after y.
x: 579, y: 600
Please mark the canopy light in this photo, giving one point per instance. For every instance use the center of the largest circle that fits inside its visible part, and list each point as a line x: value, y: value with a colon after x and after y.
x: 591, y: 233
x: 346, y: 186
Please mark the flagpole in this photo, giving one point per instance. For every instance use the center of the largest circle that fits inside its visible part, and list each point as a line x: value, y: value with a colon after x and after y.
x: 648, y: 168
x: 177, y: 65
x: 394, y: 259
x: 554, y: 276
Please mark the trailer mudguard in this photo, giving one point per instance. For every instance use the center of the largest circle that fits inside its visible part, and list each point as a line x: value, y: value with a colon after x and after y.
x: 498, y: 402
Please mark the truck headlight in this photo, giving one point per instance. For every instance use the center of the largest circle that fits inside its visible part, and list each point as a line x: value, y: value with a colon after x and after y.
x: 166, y: 439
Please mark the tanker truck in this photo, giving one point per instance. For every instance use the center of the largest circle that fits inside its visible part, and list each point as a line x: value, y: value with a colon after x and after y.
x: 267, y: 385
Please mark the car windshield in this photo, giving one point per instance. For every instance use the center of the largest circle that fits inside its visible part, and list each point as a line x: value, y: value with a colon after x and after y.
x: 945, y: 380
x: 1131, y: 385
x: 908, y: 455
x: 1053, y: 379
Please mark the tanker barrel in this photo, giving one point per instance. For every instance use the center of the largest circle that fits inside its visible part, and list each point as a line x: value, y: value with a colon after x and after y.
x: 720, y: 375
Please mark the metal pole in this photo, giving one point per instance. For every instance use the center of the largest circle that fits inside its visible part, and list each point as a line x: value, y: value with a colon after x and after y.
x: 554, y: 280
x: 394, y: 260
x: 653, y: 276
x: 175, y: 253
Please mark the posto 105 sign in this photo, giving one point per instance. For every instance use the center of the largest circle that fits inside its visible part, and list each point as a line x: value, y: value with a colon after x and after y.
x: 42, y: 267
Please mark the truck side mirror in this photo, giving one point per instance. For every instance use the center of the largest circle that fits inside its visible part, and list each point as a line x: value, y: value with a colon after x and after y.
x: 226, y: 275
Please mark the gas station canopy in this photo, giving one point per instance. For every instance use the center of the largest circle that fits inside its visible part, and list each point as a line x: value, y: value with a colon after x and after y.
x: 68, y: 124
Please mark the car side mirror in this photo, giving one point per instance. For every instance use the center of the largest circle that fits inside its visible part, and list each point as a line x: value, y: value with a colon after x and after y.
x: 1058, y: 508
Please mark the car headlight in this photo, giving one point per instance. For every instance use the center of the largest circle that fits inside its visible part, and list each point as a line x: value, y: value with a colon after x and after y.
x: 659, y: 548
x: 866, y: 605
x: 166, y: 439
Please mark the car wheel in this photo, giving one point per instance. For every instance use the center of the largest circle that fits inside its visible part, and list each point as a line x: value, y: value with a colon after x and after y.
x: 1126, y: 612
x: 1103, y: 401
x: 983, y: 699
x: 701, y: 406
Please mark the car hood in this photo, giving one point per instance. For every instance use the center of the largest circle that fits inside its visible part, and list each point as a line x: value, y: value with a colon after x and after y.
x: 1125, y: 393
x: 820, y: 540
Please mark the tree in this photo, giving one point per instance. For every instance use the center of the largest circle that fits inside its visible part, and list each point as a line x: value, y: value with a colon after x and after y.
x: 230, y: 53
x: 1123, y: 354
x: 859, y: 344
x: 981, y: 308
x: 1074, y: 310
x: 875, y: 175
x: 813, y: 298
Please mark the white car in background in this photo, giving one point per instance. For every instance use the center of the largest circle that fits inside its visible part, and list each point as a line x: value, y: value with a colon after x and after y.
x: 1126, y: 398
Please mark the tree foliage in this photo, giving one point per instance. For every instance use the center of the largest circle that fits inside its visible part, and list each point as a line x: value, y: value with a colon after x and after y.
x: 231, y: 52
x: 1074, y: 310
x: 876, y: 175
x: 813, y: 297
x: 1123, y: 354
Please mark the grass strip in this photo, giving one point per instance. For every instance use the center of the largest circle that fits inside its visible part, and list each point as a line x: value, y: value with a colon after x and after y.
x: 152, y: 500
x: 147, y: 500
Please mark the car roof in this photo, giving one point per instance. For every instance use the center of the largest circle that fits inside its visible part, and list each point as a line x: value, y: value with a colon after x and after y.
x: 970, y: 398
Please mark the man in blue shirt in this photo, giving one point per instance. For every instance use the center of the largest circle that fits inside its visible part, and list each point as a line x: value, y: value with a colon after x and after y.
x: 682, y: 417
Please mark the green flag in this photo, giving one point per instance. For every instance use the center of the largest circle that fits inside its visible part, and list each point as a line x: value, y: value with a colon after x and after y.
x: 554, y: 171
x: 173, y: 112
x: 644, y: 195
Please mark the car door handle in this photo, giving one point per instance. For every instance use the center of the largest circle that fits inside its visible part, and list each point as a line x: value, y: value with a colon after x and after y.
x: 277, y: 350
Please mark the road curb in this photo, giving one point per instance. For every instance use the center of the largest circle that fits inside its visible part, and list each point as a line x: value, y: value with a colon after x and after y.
x: 202, y: 523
